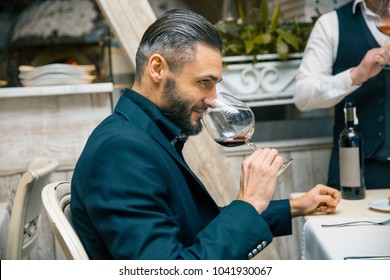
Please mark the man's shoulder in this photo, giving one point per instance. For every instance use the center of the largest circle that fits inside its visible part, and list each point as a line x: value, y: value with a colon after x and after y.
x: 327, y: 17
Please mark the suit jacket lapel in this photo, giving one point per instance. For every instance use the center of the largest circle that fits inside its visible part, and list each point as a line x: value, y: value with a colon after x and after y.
x: 156, y: 134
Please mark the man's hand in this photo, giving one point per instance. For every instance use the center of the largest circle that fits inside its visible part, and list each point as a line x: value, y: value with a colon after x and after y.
x: 320, y: 198
x: 371, y: 65
x: 258, y: 177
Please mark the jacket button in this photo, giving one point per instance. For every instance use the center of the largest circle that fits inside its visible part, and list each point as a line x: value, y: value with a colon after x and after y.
x: 380, y: 133
x: 380, y: 100
x: 381, y: 118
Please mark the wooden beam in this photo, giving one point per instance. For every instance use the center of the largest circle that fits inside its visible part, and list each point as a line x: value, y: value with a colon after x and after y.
x: 128, y: 21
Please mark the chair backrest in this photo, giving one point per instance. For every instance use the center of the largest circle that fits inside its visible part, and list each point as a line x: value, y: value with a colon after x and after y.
x: 56, y: 200
x: 27, y: 206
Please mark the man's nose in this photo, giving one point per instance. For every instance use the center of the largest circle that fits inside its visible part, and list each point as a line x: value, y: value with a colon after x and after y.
x: 211, y: 102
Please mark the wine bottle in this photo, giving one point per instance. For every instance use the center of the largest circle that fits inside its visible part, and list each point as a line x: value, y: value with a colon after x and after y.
x: 351, y: 154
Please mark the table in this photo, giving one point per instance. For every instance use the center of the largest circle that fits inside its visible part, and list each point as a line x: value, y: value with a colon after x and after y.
x: 347, y: 242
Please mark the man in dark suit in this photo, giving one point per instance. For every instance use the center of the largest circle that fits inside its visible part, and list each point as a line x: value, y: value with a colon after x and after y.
x: 134, y: 196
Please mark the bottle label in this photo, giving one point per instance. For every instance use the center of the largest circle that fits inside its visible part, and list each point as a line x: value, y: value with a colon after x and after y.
x: 349, y: 167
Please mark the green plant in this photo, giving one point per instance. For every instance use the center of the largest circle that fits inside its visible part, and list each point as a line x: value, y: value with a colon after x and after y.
x: 254, y: 32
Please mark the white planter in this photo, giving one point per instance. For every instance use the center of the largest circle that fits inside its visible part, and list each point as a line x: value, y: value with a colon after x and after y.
x: 269, y: 79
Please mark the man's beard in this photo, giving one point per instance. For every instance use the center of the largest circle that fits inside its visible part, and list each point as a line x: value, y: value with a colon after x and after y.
x: 179, y: 110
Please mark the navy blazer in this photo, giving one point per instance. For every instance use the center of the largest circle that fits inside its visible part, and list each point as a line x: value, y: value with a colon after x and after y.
x: 134, y: 197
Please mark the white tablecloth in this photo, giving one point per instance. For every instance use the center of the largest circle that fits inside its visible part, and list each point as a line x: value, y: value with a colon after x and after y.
x: 337, y: 243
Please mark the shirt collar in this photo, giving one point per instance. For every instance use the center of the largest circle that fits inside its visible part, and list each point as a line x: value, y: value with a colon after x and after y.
x: 364, y: 8
x: 179, y: 141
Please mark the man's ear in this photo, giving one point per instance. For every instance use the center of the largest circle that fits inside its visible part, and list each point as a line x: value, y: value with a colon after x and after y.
x: 157, y: 67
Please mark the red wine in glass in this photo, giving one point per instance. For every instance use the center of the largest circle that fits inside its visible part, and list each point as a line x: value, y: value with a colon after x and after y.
x: 382, y: 21
x: 230, y: 122
x: 385, y: 29
x: 232, y: 141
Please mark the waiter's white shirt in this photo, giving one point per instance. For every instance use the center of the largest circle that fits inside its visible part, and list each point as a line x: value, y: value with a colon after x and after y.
x: 316, y: 87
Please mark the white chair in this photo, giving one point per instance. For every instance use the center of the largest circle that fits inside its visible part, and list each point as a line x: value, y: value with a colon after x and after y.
x: 27, y: 206
x: 56, y: 200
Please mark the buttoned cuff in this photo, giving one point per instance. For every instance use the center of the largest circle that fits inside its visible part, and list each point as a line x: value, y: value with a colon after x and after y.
x: 251, y: 225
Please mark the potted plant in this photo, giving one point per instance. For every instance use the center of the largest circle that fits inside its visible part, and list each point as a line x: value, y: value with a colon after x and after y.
x: 261, y: 52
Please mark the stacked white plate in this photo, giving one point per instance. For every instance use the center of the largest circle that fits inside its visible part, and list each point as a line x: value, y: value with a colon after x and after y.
x: 56, y: 74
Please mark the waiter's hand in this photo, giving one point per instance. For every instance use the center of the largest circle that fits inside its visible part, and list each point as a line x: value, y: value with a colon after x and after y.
x: 371, y: 65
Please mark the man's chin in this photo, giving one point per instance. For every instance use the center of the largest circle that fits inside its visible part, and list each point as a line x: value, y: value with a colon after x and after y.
x: 195, y: 129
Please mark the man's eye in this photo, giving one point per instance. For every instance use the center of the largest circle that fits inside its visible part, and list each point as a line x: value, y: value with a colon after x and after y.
x: 204, y: 82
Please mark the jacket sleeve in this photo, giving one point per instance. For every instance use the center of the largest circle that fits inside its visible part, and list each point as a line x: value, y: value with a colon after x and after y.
x: 127, y: 200
x: 278, y: 217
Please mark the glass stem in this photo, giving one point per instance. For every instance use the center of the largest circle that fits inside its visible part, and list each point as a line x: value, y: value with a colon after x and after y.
x: 252, y: 145
x: 285, y: 164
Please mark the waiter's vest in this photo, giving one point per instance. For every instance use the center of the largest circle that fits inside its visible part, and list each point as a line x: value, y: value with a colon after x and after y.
x: 355, y: 39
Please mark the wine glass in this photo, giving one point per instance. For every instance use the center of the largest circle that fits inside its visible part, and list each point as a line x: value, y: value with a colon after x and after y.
x: 382, y: 21
x: 230, y: 122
